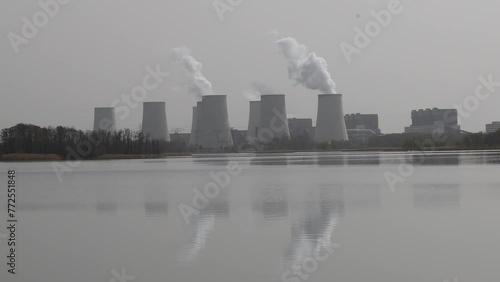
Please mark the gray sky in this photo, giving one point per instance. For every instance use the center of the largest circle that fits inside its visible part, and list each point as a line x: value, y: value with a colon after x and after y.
x: 90, y: 52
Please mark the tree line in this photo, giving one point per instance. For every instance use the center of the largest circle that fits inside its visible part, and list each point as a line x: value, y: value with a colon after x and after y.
x: 32, y: 139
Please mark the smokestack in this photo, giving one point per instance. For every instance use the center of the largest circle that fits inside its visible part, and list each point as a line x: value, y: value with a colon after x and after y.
x: 154, y: 121
x: 330, y: 125
x: 273, y: 121
x: 254, y: 119
x: 104, y: 119
x: 213, y: 128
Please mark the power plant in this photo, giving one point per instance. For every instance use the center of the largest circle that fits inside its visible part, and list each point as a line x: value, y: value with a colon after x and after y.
x: 104, y: 119
x: 268, y: 120
x: 253, y: 120
x: 330, y: 125
x: 154, y: 121
x: 273, y: 121
x: 213, y: 131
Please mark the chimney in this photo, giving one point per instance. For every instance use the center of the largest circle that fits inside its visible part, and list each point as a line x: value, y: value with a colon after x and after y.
x: 330, y: 125
x: 104, y: 119
x: 213, y: 127
x: 154, y: 121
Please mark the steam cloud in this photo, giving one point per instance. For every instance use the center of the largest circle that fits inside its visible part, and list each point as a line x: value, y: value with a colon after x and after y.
x: 197, y: 84
x: 305, y: 67
x: 257, y: 89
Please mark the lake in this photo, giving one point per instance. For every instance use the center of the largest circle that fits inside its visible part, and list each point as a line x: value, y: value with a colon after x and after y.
x: 409, y: 217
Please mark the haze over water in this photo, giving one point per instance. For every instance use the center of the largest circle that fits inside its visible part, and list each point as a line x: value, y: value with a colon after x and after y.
x: 441, y: 223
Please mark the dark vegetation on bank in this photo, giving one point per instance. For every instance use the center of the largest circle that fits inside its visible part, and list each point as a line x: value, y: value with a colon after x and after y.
x: 31, y: 142
x: 25, y: 142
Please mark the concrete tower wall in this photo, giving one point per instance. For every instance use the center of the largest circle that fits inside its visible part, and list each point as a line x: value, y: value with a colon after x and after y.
x: 330, y: 125
x: 254, y: 119
x: 273, y: 121
x: 213, y: 128
x: 193, y: 139
x: 154, y: 121
x: 104, y: 119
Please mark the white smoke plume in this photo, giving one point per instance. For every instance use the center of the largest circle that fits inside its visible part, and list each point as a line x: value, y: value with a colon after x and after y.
x: 196, y: 83
x: 257, y: 89
x: 305, y: 67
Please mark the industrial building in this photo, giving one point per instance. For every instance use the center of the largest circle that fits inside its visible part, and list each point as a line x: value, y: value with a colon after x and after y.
x: 154, y: 121
x: 104, y: 119
x: 330, y: 124
x: 301, y: 127
x: 493, y: 127
x: 362, y: 121
x: 434, y: 120
x: 177, y: 136
x: 361, y: 136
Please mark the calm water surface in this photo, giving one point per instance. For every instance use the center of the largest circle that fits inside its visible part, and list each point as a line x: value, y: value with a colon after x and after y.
x: 441, y: 223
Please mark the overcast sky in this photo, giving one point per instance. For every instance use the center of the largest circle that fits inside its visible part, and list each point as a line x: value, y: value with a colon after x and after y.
x: 91, y: 52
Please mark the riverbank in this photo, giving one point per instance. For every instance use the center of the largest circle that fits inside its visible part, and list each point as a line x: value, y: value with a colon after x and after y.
x: 55, y: 157
x: 29, y: 157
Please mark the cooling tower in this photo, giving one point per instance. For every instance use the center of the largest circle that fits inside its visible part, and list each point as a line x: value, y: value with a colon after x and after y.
x: 213, y: 127
x: 254, y: 119
x: 154, y: 121
x: 193, y: 139
x: 104, y: 119
x: 330, y: 125
x: 273, y: 121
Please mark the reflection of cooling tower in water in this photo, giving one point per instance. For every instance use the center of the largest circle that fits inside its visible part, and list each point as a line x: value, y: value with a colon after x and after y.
x: 154, y: 121
x: 104, y: 119
x: 254, y: 119
x: 273, y: 122
x: 155, y: 201
x: 201, y: 226
x: 436, y: 196
x: 105, y: 199
x: 330, y: 124
x: 271, y: 202
x: 313, y: 230
x: 213, y: 128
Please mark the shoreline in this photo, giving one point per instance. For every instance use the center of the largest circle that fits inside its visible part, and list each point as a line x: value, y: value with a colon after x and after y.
x: 57, y: 158
x: 6, y: 158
